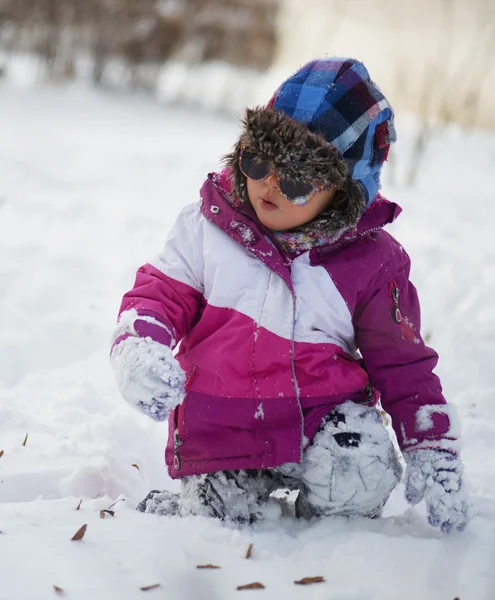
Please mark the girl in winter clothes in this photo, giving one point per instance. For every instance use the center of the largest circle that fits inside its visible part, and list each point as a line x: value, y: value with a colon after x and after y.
x: 295, y: 315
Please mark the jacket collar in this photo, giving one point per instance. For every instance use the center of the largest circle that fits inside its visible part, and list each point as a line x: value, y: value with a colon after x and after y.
x: 380, y: 213
x: 242, y: 226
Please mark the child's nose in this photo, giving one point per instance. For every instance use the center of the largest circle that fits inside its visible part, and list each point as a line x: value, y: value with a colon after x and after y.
x: 272, y: 180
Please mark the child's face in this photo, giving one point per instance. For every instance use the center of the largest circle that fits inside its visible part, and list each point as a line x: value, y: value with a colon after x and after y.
x: 276, y: 212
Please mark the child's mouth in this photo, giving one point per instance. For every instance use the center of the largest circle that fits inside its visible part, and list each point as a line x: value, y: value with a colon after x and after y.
x: 267, y: 205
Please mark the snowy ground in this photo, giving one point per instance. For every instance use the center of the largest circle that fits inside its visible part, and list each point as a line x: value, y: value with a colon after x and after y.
x: 89, y: 184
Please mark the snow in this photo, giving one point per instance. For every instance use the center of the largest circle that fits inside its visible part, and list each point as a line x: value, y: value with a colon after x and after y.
x: 244, y: 231
x: 89, y: 185
x: 260, y: 413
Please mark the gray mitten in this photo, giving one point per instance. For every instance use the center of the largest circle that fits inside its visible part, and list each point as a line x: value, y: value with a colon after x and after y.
x: 148, y: 376
x: 436, y: 476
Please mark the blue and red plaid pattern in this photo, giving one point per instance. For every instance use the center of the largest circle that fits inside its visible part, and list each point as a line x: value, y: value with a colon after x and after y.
x: 337, y: 98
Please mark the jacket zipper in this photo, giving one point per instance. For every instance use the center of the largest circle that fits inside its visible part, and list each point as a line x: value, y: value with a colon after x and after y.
x: 294, y: 379
x: 179, y: 431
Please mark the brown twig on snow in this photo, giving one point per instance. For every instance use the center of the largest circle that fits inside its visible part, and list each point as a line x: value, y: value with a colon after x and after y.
x: 147, y: 588
x: 251, y: 586
x: 310, y: 580
x: 79, y: 534
x: 116, y: 502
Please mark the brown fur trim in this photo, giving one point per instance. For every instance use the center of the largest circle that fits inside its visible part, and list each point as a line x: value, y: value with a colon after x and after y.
x: 302, y: 155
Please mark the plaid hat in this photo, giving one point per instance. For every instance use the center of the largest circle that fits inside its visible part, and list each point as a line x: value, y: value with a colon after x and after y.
x: 336, y: 98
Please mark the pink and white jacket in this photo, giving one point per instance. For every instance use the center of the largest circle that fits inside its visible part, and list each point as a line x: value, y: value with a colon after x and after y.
x: 271, y: 345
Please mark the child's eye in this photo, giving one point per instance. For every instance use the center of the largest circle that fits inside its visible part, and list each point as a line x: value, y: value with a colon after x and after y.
x: 253, y: 166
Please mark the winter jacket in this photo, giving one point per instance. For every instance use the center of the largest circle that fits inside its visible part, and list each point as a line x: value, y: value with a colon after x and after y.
x: 271, y: 345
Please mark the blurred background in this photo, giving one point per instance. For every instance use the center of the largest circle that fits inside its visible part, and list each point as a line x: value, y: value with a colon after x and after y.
x: 434, y: 59
x: 410, y: 47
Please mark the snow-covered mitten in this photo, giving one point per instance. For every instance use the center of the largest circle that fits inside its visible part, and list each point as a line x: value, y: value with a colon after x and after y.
x: 148, y: 376
x: 436, y: 476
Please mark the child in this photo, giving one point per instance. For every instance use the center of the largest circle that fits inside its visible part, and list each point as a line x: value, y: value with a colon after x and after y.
x: 295, y: 315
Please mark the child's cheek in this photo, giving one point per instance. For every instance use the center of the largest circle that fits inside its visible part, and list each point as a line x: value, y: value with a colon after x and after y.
x: 252, y: 189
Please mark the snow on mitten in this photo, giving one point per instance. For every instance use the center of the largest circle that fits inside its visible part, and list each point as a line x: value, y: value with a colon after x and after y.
x: 436, y: 476
x: 148, y: 376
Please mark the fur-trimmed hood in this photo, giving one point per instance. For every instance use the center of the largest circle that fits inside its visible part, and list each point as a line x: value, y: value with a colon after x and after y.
x: 302, y: 155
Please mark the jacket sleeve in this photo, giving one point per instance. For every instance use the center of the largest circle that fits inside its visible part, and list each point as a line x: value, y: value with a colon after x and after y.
x: 165, y: 301
x: 400, y: 365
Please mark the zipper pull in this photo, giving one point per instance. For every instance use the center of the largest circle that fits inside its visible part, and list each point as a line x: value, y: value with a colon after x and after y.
x: 177, y: 443
x: 369, y: 395
x: 396, y: 314
x: 406, y: 327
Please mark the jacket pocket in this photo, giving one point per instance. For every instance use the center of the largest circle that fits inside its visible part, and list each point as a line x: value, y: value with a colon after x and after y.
x: 370, y: 395
x: 352, y: 365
